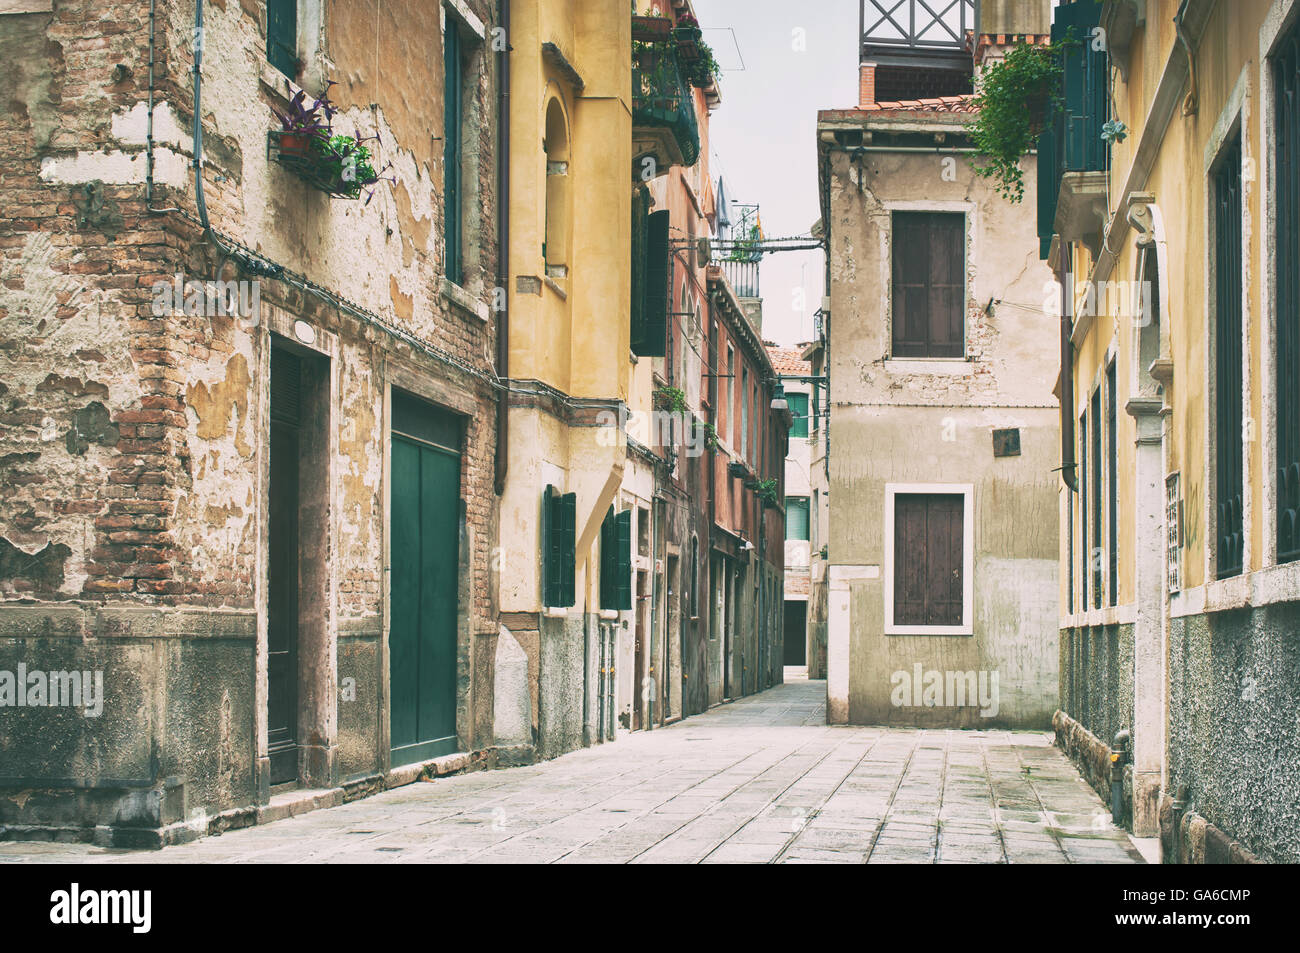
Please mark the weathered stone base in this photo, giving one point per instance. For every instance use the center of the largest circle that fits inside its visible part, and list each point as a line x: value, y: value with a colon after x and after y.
x: 1086, y: 750
x: 280, y: 807
x: 1188, y: 838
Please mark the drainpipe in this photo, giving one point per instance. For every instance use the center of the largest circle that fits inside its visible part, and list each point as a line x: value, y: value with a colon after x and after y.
x: 502, y: 462
x: 247, y: 262
x: 1179, y: 808
x: 1119, y: 756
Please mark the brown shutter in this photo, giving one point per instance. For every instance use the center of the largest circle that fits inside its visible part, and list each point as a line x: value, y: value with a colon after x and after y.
x: 928, y: 555
x: 929, y: 284
x: 909, y: 560
x: 944, y: 545
x: 947, y: 285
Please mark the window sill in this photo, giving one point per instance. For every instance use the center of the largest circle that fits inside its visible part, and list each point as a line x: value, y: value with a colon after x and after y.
x: 1098, y: 618
x: 555, y: 612
x: 942, y: 630
x: 1224, y: 595
x: 937, y: 366
x: 462, y: 300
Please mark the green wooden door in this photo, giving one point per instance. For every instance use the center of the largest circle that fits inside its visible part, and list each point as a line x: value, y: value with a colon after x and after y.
x: 425, y: 560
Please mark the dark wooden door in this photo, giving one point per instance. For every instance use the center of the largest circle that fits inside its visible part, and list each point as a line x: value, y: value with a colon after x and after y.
x: 425, y: 561
x: 282, y: 569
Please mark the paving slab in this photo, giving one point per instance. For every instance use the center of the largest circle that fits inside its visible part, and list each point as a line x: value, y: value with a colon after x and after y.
x: 761, y: 780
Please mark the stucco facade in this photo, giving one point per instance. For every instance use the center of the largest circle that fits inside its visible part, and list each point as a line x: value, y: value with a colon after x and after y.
x: 919, y: 427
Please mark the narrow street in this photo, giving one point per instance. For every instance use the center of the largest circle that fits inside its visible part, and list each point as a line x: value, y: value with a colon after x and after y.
x: 761, y: 780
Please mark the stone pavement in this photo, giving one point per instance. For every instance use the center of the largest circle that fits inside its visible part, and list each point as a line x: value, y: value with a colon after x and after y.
x: 761, y: 780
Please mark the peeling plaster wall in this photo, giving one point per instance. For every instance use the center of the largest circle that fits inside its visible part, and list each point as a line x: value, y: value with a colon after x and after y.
x: 133, y: 434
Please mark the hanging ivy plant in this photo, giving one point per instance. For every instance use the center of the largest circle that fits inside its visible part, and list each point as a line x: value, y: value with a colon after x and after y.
x: 1016, y: 100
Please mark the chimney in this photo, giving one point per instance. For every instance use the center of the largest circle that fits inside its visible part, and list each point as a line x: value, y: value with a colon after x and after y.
x: 1016, y: 17
x: 866, y: 85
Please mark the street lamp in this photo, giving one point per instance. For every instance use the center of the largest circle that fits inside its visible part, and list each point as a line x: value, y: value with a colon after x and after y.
x: 778, y: 397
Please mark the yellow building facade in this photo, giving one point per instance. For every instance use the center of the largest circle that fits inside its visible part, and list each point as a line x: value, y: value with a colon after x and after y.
x: 1178, y: 593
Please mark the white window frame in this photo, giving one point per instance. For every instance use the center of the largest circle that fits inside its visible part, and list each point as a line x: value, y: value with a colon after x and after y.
x: 970, y: 210
x: 967, y: 491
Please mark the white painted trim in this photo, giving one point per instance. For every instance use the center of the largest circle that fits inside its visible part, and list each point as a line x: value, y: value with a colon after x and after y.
x: 969, y: 291
x: 1096, y: 618
x: 1279, y: 20
x: 466, y: 16
x: 1234, y: 118
x: 967, y: 491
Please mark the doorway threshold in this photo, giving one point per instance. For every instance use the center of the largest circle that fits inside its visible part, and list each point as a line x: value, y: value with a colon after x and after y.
x: 297, y: 801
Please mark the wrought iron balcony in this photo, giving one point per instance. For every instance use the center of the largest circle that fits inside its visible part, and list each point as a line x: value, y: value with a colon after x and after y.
x: 663, y: 109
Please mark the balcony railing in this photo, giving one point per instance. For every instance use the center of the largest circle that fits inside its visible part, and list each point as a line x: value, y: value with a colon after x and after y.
x: 661, y: 97
x: 743, y: 277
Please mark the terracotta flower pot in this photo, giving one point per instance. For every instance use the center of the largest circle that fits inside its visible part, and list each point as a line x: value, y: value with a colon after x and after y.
x: 295, y: 144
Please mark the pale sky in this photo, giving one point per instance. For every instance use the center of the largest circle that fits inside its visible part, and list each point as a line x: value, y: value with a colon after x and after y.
x: 764, y: 135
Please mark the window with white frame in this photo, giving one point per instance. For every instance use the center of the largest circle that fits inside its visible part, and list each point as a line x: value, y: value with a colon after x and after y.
x: 929, y: 559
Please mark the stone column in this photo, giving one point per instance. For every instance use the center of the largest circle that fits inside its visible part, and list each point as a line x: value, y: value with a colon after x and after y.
x: 1148, y: 629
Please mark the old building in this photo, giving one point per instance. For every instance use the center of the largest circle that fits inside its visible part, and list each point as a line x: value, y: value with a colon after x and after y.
x: 794, y: 375
x: 942, y: 575
x: 571, y: 188
x: 1181, y: 417
x: 815, y: 354
x: 249, y: 405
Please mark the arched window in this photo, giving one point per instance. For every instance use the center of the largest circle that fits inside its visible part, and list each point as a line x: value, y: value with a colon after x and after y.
x: 1147, y: 295
x: 555, y: 242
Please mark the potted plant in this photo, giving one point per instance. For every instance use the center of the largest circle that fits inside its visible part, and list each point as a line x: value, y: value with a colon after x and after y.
x: 710, y: 436
x: 651, y: 27
x: 1016, y: 100
x: 306, y: 145
x: 688, y: 34
x: 671, y: 399
x: 301, y: 124
x: 700, y: 72
x: 765, y: 490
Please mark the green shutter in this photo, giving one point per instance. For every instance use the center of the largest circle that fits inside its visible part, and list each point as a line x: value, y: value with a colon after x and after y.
x: 623, y: 566
x: 1084, y: 86
x: 451, y: 159
x: 568, y: 511
x: 282, y: 36
x: 640, y: 216
x: 798, y: 404
x: 559, y: 519
x: 654, y: 322
x: 607, y: 560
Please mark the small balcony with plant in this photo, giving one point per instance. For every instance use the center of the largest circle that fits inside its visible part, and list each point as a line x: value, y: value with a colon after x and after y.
x: 306, y: 145
x: 665, y: 66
